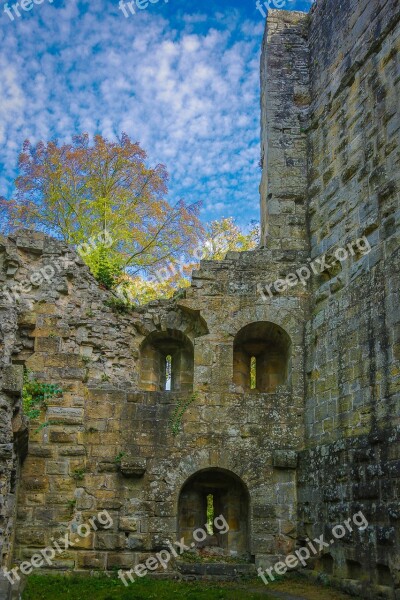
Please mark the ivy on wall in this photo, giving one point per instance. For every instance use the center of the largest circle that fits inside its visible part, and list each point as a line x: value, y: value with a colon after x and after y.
x: 182, y: 406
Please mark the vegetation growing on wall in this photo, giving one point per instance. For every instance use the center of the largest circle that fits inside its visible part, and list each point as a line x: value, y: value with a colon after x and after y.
x: 36, y: 394
x: 182, y: 406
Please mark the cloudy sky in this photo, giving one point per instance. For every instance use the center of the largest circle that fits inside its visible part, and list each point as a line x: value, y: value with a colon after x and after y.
x: 180, y: 76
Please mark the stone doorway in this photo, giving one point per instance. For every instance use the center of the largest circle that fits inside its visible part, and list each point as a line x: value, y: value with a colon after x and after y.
x: 204, y: 497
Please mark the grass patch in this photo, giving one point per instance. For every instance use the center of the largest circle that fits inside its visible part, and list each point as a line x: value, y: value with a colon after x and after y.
x: 101, y: 587
x: 49, y: 587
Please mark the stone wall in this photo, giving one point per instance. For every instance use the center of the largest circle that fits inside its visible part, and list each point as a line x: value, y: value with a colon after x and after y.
x: 352, y: 367
x: 330, y: 89
x: 108, y: 444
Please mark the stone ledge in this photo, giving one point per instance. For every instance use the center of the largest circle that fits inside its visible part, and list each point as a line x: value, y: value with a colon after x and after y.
x: 133, y: 467
x: 27, y: 320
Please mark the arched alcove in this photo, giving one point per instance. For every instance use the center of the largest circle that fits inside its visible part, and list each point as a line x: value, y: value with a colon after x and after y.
x: 217, y: 492
x: 261, y: 357
x: 166, y: 362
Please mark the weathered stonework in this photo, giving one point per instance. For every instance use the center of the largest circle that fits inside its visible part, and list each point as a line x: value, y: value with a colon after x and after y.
x: 72, y: 338
x: 316, y: 437
x: 285, y: 99
x: 352, y: 412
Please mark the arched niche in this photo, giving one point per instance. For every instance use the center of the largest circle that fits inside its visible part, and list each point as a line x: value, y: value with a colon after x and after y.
x: 261, y: 357
x: 166, y: 362
x: 229, y: 497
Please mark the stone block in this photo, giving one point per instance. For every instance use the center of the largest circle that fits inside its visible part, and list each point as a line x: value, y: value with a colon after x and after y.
x: 67, y: 416
x: 120, y: 560
x: 128, y: 524
x: 34, y: 484
x: 57, y: 467
x: 64, y: 360
x: 62, y: 437
x: 84, y: 542
x: 264, y: 544
x: 63, y: 484
x: 91, y: 560
x: 138, y: 543
x: 40, y: 451
x: 6, y: 451
x: 27, y: 320
x: 107, y: 540
x: 72, y: 451
x: 285, y: 459
x: 34, y: 466
x: 31, y: 536
x: 95, y: 409
x: 84, y: 500
x: 133, y: 467
x: 50, y: 345
x: 13, y: 379
x: 30, y: 242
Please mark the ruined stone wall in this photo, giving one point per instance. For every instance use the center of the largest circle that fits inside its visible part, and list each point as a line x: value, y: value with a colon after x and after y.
x: 352, y: 413
x: 38, y: 320
x: 13, y: 432
x: 64, y: 332
x: 106, y: 444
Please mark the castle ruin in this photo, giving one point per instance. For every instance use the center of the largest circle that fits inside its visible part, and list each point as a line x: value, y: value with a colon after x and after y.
x: 286, y: 455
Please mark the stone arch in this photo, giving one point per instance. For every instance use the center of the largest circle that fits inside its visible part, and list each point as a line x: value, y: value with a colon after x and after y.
x: 261, y: 357
x: 230, y: 521
x: 160, y: 349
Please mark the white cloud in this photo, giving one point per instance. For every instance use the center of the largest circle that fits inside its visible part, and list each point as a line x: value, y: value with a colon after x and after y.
x: 190, y: 97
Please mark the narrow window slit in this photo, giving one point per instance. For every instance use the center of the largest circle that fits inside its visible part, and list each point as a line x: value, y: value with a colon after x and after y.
x: 210, y: 514
x: 168, y: 372
x: 253, y: 373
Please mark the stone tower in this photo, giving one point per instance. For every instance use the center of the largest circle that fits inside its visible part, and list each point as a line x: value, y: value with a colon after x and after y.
x: 283, y: 405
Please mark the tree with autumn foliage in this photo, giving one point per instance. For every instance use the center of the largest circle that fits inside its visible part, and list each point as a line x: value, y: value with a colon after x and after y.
x: 224, y: 235
x: 219, y: 237
x: 145, y: 248
x: 77, y: 191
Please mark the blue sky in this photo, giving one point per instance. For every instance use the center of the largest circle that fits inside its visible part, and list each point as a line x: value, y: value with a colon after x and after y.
x: 181, y: 77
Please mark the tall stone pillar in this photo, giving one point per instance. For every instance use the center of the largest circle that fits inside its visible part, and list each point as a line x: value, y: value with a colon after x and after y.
x: 284, y: 114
